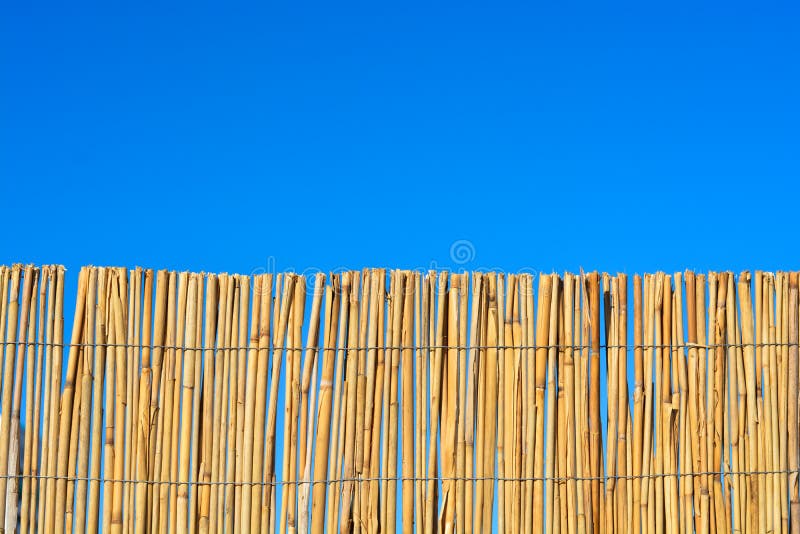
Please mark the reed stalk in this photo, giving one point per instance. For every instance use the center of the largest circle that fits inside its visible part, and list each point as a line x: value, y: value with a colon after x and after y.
x: 403, y: 409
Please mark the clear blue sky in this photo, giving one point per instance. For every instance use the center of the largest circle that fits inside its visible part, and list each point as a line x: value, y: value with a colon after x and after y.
x: 207, y: 137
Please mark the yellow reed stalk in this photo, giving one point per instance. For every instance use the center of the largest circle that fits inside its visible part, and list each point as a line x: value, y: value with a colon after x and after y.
x: 278, y: 341
x: 436, y: 382
x: 325, y: 405
x: 108, y: 443
x: 216, y: 368
x: 378, y: 423
x: 531, y: 406
x: 47, y: 420
x: 120, y: 396
x: 552, y: 351
x: 338, y: 407
x: 622, y: 408
x: 27, y: 331
x: 67, y: 398
x: 783, y: 374
x: 204, y: 469
x: 32, y: 446
x: 250, y: 406
x: 745, y: 304
x: 398, y: 308
x: 490, y: 414
x: 132, y: 413
x: 225, y: 458
x: 98, y: 372
x: 542, y: 337
x: 293, y: 390
x: 310, y: 366
x: 420, y: 406
x: 260, y: 338
x: 793, y: 447
x: 188, y: 341
x: 505, y: 386
x: 612, y: 359
x: 407, y: 339
x: 8, y: 389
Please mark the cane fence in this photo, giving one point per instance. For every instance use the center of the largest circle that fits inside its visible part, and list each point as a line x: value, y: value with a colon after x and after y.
x: 375, y: 401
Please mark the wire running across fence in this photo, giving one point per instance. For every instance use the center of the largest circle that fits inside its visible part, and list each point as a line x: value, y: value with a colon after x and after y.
x: 365, y: 402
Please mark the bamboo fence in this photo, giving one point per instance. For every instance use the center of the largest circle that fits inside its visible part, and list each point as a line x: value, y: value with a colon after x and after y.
x: 368, y: 401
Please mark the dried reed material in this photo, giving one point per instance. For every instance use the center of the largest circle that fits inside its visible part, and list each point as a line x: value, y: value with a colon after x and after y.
x: 464, y: 403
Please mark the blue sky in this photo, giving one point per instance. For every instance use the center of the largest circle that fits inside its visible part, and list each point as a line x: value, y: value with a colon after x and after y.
x: 199, y: 136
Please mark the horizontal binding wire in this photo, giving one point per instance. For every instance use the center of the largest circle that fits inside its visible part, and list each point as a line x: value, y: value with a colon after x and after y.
x: 75, y: 478
x: 402, y: 347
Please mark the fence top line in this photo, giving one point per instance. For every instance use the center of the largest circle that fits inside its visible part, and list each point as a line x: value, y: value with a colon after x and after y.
x: 312, y: 272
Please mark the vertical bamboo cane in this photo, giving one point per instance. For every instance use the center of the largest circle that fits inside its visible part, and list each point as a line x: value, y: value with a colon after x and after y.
x: 490, y: 414
x: 349, y: 400
x: 638, y: 402
x: 67, y: 398
x: 188, y: 341
x: 99, y: 365
x: 120, y: 400
x: 481, y: 433
x: 338, y: 378
x: 505, y: 467
x: 573, y: 503
x: 783, y: 309
x: 108, y: 445
x: 551, y: 401
x: 719, y: 394
x: 236, y: 366
x: 249, y: 417
x: 145, y: 416
x: 8, y: 386
x: 86, y: 401
x: 46, y: 327
x: 407, y: 337
x: 470, y: 394
x: 226, y: 462
x: 594, y: 395
x: 612, y: 359
x: 56, y: 327
x: 206, y: 416
x: 31, y: 457
x: 397, y: 303
x: 133, y: 376
x: 793, y: 447
x: 260, y: 338
x: 361, y: 392
x: 309, y: 383
x: 542, y: 325
x: 298, y: 311
x: 373, y: 505
x: 745, y: 305
x: 163, y: 285
x: 436, y: 387
x: 420, y: 408
x: 27, y: 333
x: 622, y: 408
x: 527, y: 401
x: 216, y: 357
x: 461, y: 435
x: 647, y: 511
x: 278, y: 342
x: 324, y: 411
x: 772, y: 398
